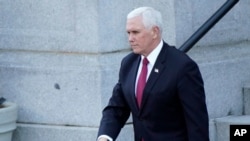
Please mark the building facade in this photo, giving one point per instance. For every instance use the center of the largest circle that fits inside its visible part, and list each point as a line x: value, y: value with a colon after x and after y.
x: 59, y: 61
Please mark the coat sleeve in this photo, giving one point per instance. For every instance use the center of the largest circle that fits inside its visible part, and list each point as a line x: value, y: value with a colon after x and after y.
x: 192, y: 96
x: 115, y: 114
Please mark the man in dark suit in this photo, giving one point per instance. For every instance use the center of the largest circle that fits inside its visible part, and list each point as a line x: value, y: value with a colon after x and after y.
x: 161, y: 86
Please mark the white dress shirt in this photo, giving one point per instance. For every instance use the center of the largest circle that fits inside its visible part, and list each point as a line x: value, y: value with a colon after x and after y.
x: 152, y: 59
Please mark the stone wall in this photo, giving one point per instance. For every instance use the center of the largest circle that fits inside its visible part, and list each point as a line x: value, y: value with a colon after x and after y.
x: 59, y: 60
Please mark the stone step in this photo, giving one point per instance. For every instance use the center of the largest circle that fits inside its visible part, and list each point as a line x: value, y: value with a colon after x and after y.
x: 222, y: 125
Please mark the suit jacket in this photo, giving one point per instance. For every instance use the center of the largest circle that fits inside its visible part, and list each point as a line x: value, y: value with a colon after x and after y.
x: 173, y: 105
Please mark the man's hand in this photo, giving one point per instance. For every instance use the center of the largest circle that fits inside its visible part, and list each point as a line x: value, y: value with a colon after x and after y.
x: 102, y: 139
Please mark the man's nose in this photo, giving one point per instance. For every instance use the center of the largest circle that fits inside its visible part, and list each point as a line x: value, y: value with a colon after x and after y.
x: 130, y: 38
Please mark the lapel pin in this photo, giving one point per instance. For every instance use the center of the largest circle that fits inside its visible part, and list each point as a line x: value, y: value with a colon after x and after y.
x: 156, y: 70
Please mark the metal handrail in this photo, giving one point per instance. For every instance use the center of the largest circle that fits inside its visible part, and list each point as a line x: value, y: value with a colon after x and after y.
x: 207, y: 25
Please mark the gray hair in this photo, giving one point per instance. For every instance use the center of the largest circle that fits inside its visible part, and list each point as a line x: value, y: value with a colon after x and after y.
x: 150, y: 17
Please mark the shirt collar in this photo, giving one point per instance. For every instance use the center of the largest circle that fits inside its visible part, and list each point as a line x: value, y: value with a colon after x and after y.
x: 154, y: 54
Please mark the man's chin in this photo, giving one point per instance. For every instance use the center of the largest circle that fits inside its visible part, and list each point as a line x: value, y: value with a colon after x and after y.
x: 136, y: 52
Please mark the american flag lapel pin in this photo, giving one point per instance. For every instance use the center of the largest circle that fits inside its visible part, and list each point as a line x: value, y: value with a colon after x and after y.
x: 156, y: 70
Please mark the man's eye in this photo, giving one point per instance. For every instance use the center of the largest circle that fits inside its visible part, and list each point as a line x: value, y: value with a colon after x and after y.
x: 135, y: 32
x: 132, y: 32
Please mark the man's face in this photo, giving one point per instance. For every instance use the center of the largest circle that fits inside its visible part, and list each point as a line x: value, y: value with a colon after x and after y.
x: 140, y: 38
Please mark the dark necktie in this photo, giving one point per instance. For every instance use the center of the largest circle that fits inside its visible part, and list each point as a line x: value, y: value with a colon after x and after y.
x: 142, y: 81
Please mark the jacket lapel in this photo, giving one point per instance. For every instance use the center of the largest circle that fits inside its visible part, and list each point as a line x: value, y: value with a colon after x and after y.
x: 132, y: 80
x: 157, y: 69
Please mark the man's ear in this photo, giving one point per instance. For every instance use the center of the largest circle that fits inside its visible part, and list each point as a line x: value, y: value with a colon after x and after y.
x: 155, y: 31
